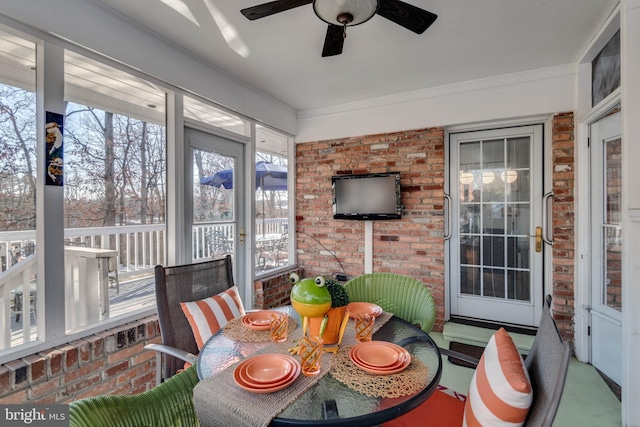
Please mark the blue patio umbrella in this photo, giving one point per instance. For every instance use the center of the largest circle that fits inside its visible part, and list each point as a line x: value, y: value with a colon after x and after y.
x: 269, y: 177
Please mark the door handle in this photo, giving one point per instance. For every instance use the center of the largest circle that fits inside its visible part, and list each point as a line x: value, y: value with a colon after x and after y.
x: 538, y: 237
x: 548, y: 233
x: 242, y: 235
x: 447, y: 218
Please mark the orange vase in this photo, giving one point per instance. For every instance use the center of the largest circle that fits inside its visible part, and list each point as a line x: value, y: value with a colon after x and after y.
x: 331, y: 333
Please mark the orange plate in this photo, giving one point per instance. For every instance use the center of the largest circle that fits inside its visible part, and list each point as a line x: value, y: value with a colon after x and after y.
x: 399, y: 363
x: 372, y: 356
x: 383, y: 371
x: 247, y: 385
x: 379, y: 354
x: 364, y: 307
x: 399, y: 360
x: 267, y: 368
x: 258, y: 320
x: 248, y: 382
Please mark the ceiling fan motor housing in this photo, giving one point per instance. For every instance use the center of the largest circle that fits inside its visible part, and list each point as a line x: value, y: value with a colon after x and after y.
x: 340, y: 14
x: 345, y: 12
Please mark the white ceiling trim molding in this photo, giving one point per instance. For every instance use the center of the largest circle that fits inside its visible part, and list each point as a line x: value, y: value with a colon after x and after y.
x: 538, y: 92
x: 455, y: 88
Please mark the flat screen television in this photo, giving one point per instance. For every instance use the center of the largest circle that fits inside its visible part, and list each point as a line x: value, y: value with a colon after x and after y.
x: 372, y: 196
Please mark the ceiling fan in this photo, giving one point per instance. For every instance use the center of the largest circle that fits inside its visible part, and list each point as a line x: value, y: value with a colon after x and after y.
x: 340, y: 14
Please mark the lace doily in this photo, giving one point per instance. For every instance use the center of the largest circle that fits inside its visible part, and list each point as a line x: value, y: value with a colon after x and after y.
x: 410, y: 381
x: 236, y: 331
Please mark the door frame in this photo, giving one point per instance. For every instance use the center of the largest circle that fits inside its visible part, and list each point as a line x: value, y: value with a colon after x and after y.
x: 583, y: 227
x: 243, y: 206
x: 546, y: 121
x: 602, y: 315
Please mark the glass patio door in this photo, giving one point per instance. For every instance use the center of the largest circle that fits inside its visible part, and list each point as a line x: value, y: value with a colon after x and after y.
x: 606, y: 246
x: 496, y: 225
x: 216, y: 209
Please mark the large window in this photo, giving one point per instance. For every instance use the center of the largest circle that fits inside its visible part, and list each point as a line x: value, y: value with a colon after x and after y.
x: 18, y: 284
x: 272, y: 201
x: 605, y: 70
x: 114, y: 190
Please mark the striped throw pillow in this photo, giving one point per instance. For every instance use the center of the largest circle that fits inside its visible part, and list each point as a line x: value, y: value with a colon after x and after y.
x: 209, y: 315
x: 500, y: 393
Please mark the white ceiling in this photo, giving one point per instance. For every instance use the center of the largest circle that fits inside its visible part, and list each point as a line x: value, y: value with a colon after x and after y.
x: 280, y: 54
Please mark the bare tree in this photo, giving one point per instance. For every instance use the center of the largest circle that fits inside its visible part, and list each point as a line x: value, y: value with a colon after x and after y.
x: 17, y: 159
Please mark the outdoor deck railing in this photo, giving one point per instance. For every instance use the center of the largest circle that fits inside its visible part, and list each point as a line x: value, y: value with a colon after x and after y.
x: 139, y: 248
x: 15, y: 302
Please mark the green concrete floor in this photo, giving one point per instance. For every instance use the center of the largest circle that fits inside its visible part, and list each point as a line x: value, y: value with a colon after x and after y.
x: 587, y: 401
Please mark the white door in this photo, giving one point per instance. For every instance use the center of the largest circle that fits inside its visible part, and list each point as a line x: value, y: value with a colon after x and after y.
x: 496, y: 241
x: 606, y: 246
x: 217, y: 205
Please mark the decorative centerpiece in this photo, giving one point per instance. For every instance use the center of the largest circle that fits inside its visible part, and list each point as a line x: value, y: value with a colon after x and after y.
x: 309, y: 297
x: 322, y: 303
x: 331, y: 325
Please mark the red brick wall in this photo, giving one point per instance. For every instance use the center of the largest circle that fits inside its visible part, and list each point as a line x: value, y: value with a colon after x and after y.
x: 273, y: 291
x: 563, y: 220
x: 111, y: 362
x: 413, y: 245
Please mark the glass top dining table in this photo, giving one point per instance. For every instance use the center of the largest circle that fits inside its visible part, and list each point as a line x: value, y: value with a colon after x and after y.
x: 353, y: 408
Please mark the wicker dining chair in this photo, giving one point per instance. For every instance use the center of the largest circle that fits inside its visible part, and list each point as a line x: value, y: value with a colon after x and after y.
x: 169, y: 404
x: 185, y: 283
x: 404, y: 296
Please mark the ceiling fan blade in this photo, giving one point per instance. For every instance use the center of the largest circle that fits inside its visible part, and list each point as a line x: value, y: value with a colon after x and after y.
x: 410, y: 17
x: 277, y: 6
x: 333, y: 41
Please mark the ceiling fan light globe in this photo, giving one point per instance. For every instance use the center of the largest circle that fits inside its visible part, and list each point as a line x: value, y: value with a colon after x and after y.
x: 488, y: 177
x: 330, y: 10
x: 509, y: 176
x: 466, y: 178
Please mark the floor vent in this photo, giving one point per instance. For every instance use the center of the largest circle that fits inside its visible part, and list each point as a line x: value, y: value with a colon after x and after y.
x: 469, y: 350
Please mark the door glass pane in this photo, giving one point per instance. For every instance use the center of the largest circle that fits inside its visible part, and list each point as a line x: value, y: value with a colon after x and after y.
x: 518, y: 218
x: 470, y: 280
x: 519, y: 287
x: 493, y: 187
x: 493, y: 218
x: 493, y: 251
x: 494, y: 192
x: 613, y: 181
x: 518, y: 153
x: 612, y: 232
x: 272, y: 201
x: 470, y: 156
x: 613, y: 267
x: 213, y: 205
x: 518, y: 189
x: 493, y: 154
x: 470, y: 218
x: 518, y: 252
x: 470, y: 260
x: 493, y: 282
